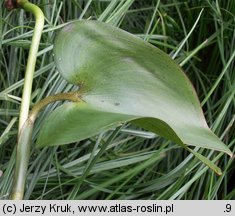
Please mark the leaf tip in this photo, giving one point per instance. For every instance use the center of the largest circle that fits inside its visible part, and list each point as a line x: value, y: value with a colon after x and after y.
x: 230, y: 154
x: 218, y: 171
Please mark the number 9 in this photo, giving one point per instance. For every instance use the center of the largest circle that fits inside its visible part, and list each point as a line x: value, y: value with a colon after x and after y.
x: 228, y: 207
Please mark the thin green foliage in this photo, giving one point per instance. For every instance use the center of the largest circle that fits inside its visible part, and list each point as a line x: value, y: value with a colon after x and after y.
x: 134, y: 164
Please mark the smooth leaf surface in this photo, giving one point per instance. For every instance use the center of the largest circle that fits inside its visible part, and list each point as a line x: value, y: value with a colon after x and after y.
x: 123, y: 78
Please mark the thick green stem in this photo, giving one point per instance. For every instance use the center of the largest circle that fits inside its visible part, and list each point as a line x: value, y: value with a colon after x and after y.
x: 26, y: 96
x: 22, y: 159
x: 26, y: 121
x: 26, y: 127
x: 24, y: 140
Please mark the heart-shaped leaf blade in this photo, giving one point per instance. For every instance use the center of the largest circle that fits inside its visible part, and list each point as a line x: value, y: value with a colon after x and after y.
x: 123, y: 78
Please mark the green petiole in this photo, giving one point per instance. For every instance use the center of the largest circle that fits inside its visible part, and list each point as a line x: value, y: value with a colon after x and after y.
x: 27, y: 89
x: 26, y: 127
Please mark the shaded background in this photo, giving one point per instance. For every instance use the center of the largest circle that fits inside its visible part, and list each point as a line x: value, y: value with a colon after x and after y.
x: 122, y: 171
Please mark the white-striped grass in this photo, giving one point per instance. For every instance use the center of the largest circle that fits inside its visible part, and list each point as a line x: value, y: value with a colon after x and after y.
x: 135, y: 164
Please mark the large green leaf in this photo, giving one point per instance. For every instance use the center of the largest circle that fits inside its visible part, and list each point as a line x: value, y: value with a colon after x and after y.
x: 123, y: 78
